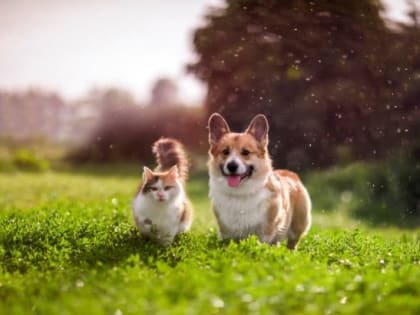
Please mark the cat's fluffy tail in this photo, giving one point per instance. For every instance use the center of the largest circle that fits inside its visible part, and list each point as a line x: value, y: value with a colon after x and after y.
x: 170, y: 152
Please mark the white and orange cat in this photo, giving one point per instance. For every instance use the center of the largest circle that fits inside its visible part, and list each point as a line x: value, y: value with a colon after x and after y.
x: 161, y: 208
x: 248, y: 196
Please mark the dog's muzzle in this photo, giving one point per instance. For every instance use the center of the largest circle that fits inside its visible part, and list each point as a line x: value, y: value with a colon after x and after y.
x: 234, y: 179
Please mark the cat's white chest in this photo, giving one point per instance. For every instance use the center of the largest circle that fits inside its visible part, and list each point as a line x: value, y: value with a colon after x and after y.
x: 155, y: 218
x: 240, y: 215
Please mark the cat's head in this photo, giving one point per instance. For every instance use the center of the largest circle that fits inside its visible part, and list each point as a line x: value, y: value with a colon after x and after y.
x: 161, y: 186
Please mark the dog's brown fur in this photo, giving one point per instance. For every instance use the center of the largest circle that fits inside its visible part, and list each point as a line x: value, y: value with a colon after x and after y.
x: 273, y: 204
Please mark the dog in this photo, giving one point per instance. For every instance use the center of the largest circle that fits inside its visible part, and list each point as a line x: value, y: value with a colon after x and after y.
x: 247, y: 195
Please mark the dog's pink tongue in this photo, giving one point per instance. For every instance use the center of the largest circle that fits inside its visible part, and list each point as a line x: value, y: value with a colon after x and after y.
x: 234, y: 180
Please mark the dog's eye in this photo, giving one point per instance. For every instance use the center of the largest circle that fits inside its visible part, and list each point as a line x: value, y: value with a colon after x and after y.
x: 226, y: 151
x: 245, y: 152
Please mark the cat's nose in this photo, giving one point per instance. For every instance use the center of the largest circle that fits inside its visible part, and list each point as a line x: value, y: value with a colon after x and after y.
x: 160, y: 195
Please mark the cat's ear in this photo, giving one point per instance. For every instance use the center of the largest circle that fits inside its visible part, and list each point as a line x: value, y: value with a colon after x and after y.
x: 147, y: 174
x: 218, y: 127
x: 173, y: 172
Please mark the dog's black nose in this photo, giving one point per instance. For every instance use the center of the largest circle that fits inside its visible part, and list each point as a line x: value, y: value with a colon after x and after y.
x: 232, y: 166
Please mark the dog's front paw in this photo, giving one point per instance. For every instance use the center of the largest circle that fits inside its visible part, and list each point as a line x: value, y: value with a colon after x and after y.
x: 266, y: 238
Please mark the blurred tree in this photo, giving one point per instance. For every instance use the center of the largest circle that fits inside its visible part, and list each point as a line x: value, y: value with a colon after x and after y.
x: 125, y: 131
x: 164, y: 92
x: 31, y: 114
x: 328, y: 74
x: 128, y: 134
x: 110, y: 99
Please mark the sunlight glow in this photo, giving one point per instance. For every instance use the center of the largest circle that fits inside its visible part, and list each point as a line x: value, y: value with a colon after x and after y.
x: 73, y: 46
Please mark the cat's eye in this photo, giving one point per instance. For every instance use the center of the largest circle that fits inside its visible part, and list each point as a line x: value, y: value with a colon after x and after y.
x: 226, y: 152
x: 154, y: 188
x: 245, y: 152
x: 167, y: 188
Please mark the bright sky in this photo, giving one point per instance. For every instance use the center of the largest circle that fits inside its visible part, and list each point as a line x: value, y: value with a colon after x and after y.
x: 72, y: 46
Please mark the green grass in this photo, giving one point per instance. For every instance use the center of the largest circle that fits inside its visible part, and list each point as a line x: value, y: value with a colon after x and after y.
x: 68, y: 246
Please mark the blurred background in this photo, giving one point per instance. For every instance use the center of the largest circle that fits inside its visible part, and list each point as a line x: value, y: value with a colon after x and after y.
x: 97, y: 82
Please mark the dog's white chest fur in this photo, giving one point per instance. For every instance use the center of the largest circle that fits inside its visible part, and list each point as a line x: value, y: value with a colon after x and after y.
x: 241, y: 214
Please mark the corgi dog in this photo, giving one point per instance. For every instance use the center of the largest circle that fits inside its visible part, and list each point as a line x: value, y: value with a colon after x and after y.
x: 248, y: 196
x: 161, y: 208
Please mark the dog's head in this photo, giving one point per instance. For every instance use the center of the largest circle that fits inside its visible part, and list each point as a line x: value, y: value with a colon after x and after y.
x: 239, y: 158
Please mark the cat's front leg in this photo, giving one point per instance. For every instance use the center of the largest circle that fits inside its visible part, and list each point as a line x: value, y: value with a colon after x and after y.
x: 145, y: 226
x: 166, y: 239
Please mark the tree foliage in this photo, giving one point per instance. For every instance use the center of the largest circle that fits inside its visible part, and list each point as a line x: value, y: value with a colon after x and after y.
x: 334, y: 80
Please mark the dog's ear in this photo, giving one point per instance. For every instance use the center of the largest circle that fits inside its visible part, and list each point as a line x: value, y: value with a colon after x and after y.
x: 258, y: 127
x: 217, y: 128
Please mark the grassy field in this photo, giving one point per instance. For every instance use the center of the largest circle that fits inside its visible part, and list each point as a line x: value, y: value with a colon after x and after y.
x: 68, y: 246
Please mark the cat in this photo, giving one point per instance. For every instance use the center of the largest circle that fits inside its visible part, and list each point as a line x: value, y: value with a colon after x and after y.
x: 161, y: 208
